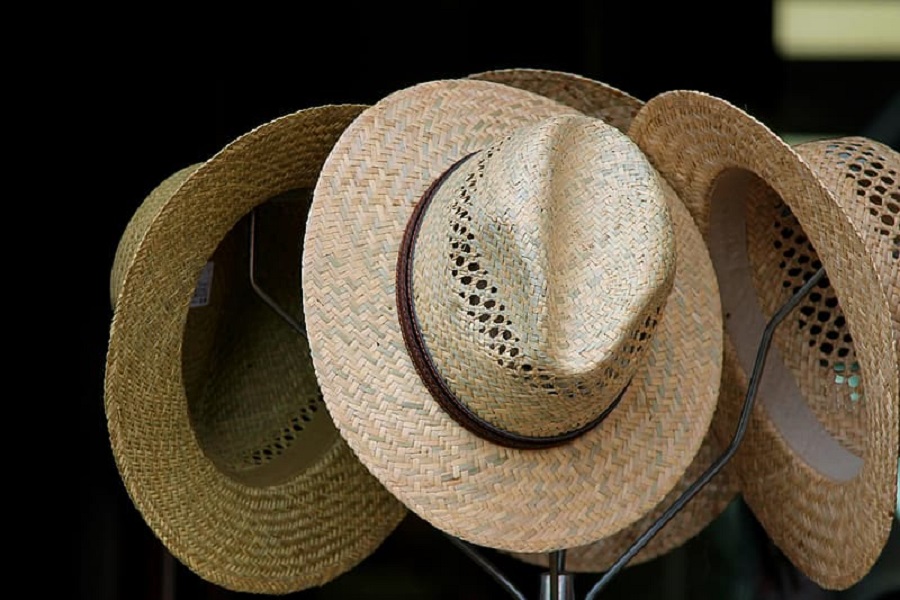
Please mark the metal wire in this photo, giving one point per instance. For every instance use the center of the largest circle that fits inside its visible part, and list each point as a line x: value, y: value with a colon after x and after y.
x: 554, y: 578
x: 488, y: 567
x: 720, y: 462
x: 557, y: 567
x: 259, y: 291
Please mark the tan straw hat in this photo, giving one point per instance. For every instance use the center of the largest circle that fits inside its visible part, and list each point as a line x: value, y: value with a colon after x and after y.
x: 618, y: 109
x: 215, y: 418
x: 819, y: 463
x: 496, y: 318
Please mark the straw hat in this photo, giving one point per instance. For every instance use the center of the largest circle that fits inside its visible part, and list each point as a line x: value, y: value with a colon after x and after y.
x: 496, y: 318
x: 618, y: 109
x: 818, y: 465
x: 214, y: 414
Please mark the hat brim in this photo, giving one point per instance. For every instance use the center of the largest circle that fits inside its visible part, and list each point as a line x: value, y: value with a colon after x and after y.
x: 828, y: 510
x: 310, y: 526
x: 515, y: 500
x: 593, y: 98
x: 690, y: 521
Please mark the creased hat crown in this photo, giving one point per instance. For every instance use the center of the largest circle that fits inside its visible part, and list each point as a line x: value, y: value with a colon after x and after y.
x: 540, y: 269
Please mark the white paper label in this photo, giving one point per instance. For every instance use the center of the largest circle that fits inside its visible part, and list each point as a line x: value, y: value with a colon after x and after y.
x: 204, y: 286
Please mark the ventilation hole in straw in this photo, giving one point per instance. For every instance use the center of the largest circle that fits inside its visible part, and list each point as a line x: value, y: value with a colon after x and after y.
x: 477, y: 288
x: 879, y: 186
x: 472, y: 278
x: 819, y: 314
x: 285, y: 438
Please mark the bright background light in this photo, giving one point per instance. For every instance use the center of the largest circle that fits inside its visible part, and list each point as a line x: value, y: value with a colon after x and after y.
x: 837, y: 29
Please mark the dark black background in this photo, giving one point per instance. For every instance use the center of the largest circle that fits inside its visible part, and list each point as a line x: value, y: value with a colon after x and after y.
x: 164, y: 90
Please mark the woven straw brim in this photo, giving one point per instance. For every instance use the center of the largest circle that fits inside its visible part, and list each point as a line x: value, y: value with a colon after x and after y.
x: 618, y: 108
x: 818, y: 347
x: 690, y: 522
x: 593, y: 98
x: 298, y: 520
x: 515, y: 500
x: 831, y: 520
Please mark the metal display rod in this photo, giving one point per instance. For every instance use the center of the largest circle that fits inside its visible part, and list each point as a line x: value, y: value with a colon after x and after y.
x: 557, y: 584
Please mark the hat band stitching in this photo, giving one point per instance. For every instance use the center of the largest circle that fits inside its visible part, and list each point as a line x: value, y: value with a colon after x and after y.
x: 424, y: 364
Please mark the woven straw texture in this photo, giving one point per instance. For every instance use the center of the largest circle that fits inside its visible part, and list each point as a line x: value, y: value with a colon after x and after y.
x: 828, y: 509
x: 705, y: 507
x: 138, y: 224
x: 864, y: 176
x: 495, y: 496
x: 564, y: 302
x: 590, y: 97
x: 618, y: 108
x: 214, y: 413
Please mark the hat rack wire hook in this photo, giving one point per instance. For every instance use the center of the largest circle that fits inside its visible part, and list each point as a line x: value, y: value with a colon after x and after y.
x: 487, y: 566
x: 740, y: 430
x: 258, y: 289
x: 557, y: 584
x: 563, y: 591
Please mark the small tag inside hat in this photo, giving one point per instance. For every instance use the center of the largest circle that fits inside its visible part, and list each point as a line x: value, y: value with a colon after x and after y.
x: 204, y: 286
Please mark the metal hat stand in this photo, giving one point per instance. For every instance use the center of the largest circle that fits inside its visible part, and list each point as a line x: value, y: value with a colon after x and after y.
x: 557, y: 584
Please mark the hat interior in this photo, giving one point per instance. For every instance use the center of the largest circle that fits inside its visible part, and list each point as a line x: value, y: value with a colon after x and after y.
x: 254, y: 403
x: 815, y: 341
x: 813, y: 385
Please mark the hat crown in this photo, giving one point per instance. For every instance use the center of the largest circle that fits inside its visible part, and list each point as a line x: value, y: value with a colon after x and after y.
x: 540, y: 269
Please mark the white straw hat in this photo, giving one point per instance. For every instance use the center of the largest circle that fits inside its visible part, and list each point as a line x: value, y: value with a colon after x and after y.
x: 496, y: 318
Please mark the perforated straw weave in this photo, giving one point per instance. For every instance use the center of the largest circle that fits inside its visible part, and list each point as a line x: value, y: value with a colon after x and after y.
x: 617, y: 108
x: 214, y: 413
x: 484, y: 492
x: 818, y: 464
